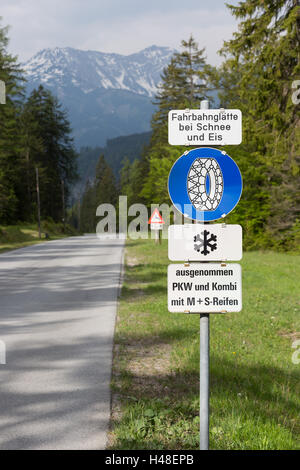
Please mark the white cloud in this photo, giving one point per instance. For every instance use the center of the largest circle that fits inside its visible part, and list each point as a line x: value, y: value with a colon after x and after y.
x: 166, y: 30
x: 115, y: 25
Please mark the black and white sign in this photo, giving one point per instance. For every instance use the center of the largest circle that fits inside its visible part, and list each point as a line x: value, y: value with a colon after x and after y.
x: 204, y: 288
x: 205, y: 127
x: 199, y: 242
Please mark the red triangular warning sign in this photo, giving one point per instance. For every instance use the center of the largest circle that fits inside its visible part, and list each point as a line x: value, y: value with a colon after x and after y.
x: 156, y: 218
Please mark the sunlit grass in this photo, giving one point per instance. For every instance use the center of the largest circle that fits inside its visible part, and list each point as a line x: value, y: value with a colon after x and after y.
x: 255, y: 387
x: 18, y: 236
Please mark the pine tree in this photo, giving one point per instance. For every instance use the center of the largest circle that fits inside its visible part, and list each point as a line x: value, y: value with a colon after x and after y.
x: 101, y: 191
x: 105, y: 183
x: 129, y: 179
x: 10, y: 144
x: 32, y: 149
x: 262, y: 61
x: 49, y: 146
x: 184, y: 84
x: 87, y: 209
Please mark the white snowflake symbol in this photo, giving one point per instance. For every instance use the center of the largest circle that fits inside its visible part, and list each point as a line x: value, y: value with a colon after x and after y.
x: 207, y: 243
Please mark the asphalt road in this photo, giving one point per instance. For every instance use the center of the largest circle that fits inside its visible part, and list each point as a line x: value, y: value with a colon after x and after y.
x: 57, y: 315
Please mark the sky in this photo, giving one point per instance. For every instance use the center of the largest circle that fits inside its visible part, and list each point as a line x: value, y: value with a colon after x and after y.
x: 121, y: 26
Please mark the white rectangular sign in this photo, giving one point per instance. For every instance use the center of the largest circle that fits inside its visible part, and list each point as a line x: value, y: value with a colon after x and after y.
x: 204, y: 288
x: 2, y: 92
x: 156, y: 226
x: 205, y: 127
x: 199, y: 242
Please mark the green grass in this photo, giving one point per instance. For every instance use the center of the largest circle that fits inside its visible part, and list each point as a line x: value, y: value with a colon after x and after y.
x: 18, y: 236
x: 255, y: 399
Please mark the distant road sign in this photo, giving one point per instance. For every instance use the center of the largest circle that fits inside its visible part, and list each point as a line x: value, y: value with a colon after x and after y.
x: 199, y: 242
x: 157, y: 226
x: 205, y: 184
x: 204, y: 288
x: 156, y: 218
x: 205, y: 127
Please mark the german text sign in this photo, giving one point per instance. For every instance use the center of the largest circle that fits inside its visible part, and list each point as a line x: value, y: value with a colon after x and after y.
x: 205, y: 127
x: 199, y: 242
x: 209, y: 288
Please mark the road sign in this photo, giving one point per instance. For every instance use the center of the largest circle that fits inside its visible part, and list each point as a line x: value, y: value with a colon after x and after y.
x: 199, y: 242
x: 205, y: 184
x: 156, y: 220
x: 157, y: 226
x: 205, y: 127
x: 204, y: 288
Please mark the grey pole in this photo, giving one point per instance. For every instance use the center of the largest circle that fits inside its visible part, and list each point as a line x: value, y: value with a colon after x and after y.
x: 204, y: 104
x: 38, y: 199
x: 63, y: 203
x: 204, y: 381
x: 204, y: 366
x: 2, y: 92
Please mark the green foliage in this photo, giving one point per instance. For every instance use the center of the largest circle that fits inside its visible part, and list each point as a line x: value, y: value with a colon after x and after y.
x: 128, y: 179
x: 184, y: 84
x: 10, y: 157
x: 129, y: 147
x: 33, y: 133
x: 254, y: 387
x: 155, y: 189
x: 24, y: 234
x: 261, y: 61
x: 102, y: 190
x: 50, y: 148
x: 260, y: 64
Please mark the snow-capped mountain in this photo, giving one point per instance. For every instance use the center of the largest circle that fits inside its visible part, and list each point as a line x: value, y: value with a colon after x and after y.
x: 106, y: 95
x: 91, y: 70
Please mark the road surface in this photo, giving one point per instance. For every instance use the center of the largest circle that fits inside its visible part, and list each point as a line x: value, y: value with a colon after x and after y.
x: 57, y: 315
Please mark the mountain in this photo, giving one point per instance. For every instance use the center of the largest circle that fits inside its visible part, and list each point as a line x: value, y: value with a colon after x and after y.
x: 106, y: 95
x: 91, y: 70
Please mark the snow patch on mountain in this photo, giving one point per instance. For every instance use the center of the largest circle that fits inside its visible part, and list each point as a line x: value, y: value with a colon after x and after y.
x: 91, y: 70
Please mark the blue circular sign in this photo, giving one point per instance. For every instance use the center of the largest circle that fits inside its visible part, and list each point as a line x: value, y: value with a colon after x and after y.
x: 205, y: 184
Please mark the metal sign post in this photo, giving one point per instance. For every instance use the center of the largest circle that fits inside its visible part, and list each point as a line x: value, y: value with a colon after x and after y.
x: 38, y: 200
x: 2, y: 92
x: 204, y: 381
x: 204, y: 365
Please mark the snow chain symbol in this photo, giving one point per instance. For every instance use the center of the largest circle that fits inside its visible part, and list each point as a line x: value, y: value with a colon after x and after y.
x: 207, y: 243
x: 205, y: 184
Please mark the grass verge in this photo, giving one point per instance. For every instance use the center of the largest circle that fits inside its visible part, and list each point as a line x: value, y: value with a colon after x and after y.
x: 18, y: 236
x: 255, y: 399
